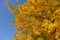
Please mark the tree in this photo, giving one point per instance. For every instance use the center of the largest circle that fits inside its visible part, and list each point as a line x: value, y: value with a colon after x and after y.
x: 37, y: 20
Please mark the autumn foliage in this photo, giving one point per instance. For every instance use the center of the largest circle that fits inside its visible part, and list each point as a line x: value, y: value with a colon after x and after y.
x: 37, y: 20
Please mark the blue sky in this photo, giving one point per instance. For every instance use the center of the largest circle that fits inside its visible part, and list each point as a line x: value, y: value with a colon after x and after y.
x: 6, y: 31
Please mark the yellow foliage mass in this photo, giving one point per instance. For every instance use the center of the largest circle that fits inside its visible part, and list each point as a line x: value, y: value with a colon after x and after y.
x: 37, y: 20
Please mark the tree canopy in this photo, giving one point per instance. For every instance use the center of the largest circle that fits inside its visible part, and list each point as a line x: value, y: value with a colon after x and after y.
x: 37, y: 20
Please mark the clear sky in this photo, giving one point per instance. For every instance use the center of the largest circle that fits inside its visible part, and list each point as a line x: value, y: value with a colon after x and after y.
x: 6, y: 31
